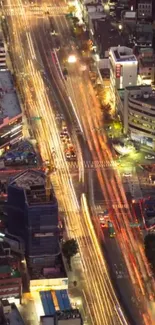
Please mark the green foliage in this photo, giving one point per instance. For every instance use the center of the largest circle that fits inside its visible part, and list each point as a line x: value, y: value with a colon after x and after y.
x: 150, y: 250
x: 69, y: 249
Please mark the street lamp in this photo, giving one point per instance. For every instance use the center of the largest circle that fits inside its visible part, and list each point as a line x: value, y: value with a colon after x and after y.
x: 106, y: 7
x: 71, y: 59
x: 120, y: 27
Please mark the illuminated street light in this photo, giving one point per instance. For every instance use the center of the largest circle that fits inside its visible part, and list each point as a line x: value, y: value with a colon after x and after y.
x: 120, y: 27
x: 72, y: 59
x: 106, y: 7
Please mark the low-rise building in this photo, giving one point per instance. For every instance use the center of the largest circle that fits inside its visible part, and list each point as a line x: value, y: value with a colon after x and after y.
x: 98, y: 23
x: 144, y: 35
x: 10, y: 278
x: 10, y: 111
x: 136, y: 105
x: 69, y: 317
x: 146, y: 66
x: 144, y: 9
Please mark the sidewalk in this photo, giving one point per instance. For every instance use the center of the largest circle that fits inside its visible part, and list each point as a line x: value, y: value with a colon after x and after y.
x: 76, y: 287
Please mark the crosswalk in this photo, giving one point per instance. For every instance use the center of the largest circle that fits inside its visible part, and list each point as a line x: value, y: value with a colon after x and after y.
x: 73, y: 165
x: 34, y: 10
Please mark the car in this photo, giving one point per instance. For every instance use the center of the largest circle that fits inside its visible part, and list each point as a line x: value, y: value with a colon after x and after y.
x: 67, y: 137
x: 64, y: 127
x: 65, y: 132
x: 149, y: 157
x: 73, y: 154
x: 62, y: 135
x: 103, y: 225
x: 68, y: 156
x: 127, y: 174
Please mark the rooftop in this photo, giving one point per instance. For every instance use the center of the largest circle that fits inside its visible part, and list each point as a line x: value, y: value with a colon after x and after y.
x: 9, y: 103
x: 55, y: 271
x: 145, y: 1
x: 148, y: 100
x: 112, y: 37
x: 34, y: 185
x: 28, y: 179
x: 68, y: 317
x: 15, y: 317
x: 7, y: 269
x: 123, y: 54
x: 147, y: 62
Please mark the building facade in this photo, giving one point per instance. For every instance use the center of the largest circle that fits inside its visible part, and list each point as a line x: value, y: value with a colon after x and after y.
x: 68, y: 317
x: 146, y: 66
x: 144, y: 9
x: 137, y: 109
x: 10, y: 278
x: 10, y: 111
x: 33, y: 215
x: 123, y: 68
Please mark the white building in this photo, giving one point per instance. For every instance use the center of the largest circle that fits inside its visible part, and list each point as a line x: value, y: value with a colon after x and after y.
x: 123, y: 68
x: 136, y: 105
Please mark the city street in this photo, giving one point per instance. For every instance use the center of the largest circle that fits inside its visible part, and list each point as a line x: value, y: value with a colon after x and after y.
x: 45, y: 92
x: 39, y: 103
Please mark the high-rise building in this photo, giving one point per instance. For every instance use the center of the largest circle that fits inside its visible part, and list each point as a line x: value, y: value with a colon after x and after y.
x: 33, y: 215
x: 123, y: 68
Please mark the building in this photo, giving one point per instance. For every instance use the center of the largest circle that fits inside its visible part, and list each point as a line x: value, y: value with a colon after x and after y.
x: 123, y: 68
x: 136, y: 105
x: 129, y: 19
x: 146, y: 66
x: 69, y: 317
x: 148, y: 208
x: 10, y: 278
x: 33, y: 215
x: 2, y: 56
x: 144, y: 35
x: 11, y: 314
x: 144, y: 9
x: 10, y: 111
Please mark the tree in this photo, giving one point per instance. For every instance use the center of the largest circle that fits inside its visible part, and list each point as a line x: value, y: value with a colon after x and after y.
x: 69, y: 249
x: 150, y: 249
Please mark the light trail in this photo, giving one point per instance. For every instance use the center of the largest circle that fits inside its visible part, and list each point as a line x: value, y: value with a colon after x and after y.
x: 113, y: 191
x: 97, y: 286
x: 79, y: 123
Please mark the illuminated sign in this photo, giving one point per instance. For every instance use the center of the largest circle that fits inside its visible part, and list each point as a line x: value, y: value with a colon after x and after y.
x: 118, y: 70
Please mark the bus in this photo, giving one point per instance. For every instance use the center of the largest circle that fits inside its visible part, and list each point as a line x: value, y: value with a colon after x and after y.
x: 111, y: 229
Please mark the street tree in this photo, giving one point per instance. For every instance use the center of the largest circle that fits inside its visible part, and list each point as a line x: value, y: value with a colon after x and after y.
x: 69, y: 249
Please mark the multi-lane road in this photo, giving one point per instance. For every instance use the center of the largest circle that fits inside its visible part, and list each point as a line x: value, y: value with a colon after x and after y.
x: 44, y: 92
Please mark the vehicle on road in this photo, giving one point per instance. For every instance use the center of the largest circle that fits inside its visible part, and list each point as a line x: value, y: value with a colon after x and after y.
x: 127, y: 174
x: 149, y: 157
x: 111, y: 229
x: 68, y: 155
x: 73, y: 154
